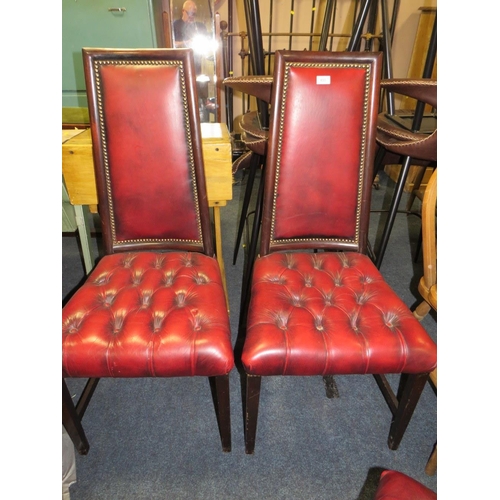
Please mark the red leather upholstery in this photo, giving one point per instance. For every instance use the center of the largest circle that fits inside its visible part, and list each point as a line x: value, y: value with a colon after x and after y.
x: 327, y: 313
x: 143, y: 135
x: 144, y: 313
x: 148, y: 315
x: 138, y: 99
x: 395, y: 485
x: 330, y: 313
x: 154, y: 306
x: 320, y: 147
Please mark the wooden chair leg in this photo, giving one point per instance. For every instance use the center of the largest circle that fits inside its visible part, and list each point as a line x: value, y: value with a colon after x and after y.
x: 410, y: 394
x: 223, y: 410
x: 251, y: 411
x: 332, y: 391
x: 72, y: 422
x: 422, y: 310
x: 431, y: 467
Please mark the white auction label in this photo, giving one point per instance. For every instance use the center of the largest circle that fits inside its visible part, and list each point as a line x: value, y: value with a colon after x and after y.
x: 323, y: 80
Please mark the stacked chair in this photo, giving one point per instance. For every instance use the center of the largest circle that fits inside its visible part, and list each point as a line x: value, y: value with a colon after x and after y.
x: 398, y: 145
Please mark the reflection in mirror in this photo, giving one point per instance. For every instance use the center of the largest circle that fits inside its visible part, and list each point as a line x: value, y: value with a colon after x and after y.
x: 193, y: 27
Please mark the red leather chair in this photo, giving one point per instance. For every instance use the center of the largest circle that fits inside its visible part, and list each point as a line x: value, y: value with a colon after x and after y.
x: 395, y: 485
x: 154, y: 306
x: 318, y: 305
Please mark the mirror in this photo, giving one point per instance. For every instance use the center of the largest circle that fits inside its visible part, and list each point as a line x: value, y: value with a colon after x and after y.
x: 192, y: 25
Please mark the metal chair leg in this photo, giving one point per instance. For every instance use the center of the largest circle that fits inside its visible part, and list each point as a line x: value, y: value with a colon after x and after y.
x: 254, y: 165
x: 398, y: 193
x: 252, y: 253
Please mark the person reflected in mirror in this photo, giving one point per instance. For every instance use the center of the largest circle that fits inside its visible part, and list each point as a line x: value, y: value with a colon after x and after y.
x: 189, y: 33
x: 187, y: 29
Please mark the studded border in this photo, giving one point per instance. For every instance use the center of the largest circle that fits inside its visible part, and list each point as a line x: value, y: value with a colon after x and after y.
x: 107, y: 62
x: 288, y: 65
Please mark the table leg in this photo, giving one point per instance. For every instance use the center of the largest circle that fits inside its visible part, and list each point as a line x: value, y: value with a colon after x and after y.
x: 218, y: 250
x: 85, y: 239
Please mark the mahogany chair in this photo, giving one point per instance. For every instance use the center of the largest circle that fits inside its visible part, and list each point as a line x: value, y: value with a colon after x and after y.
x: 395, y: 485
x: 318, y: 305
x: 154, y: 306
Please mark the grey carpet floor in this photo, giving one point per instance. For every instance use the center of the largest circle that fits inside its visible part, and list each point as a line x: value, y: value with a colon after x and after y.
x: 158, y: 439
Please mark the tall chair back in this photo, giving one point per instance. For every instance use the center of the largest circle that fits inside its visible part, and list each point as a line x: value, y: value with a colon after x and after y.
x: 321, y: 147
x: 147, y: 151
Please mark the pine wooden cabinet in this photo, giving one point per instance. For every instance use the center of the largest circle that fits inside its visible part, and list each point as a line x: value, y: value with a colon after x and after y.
x: 106, y: 24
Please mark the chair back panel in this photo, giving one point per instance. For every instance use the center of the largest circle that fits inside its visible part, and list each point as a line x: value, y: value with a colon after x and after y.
x: 320, y: 152
x: 147, y: 149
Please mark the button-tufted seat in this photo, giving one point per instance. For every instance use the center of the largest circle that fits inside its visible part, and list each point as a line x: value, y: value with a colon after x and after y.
x: 148, y: 314
x: 154, y: 305
x: 329, y: 313
x: 318, y: 305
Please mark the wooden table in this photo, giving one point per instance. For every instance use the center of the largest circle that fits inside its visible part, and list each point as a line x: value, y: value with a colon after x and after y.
x: 79, y: 177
